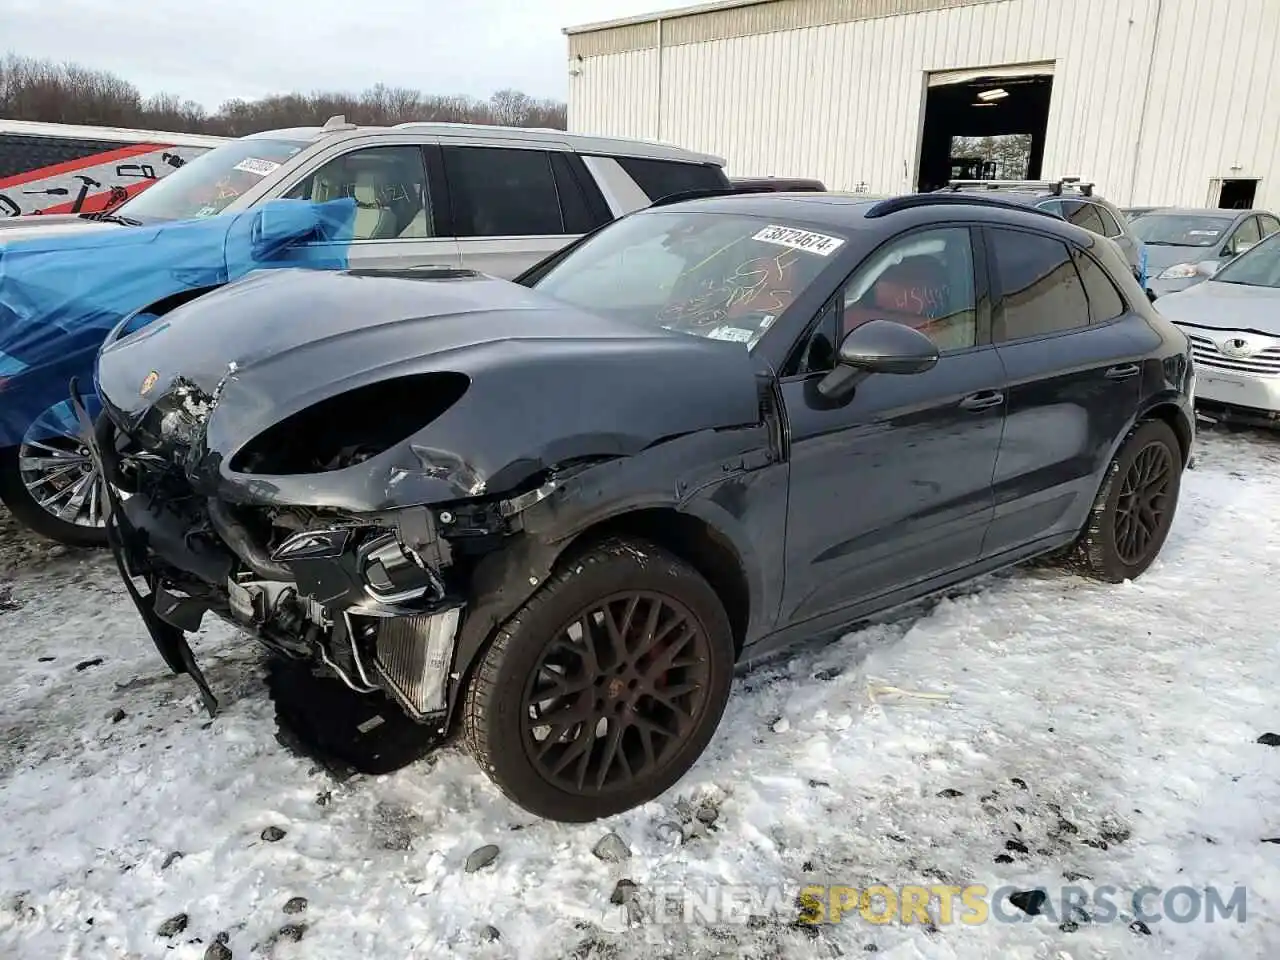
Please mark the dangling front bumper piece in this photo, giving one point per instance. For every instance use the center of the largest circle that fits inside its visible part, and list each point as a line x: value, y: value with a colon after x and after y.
x: 127, y: 546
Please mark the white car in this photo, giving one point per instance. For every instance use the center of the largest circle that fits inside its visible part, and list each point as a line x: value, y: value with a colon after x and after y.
x: 1233, y: 322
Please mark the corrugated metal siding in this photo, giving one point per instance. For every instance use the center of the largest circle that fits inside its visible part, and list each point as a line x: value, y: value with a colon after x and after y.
x: 767, y: 16
x: 844, y: 102
x: 616, y: 95
x: 1214, y: 103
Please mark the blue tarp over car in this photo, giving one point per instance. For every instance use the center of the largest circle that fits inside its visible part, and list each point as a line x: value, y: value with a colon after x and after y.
x: 60, y: 295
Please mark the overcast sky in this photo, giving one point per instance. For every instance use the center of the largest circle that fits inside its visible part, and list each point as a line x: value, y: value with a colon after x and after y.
x: 211, y: 52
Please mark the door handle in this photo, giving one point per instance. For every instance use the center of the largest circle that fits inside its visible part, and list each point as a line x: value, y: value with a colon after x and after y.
x: 982, y: 401
x: 1123, y: 372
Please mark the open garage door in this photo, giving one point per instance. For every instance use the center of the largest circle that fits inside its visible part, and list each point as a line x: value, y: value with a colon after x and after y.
x: 985, y: 123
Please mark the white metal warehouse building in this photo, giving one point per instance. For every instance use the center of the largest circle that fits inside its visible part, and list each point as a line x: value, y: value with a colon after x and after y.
x: 1159, y: 102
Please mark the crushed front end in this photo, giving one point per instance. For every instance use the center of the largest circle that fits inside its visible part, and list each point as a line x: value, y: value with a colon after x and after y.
x: 376, y: 598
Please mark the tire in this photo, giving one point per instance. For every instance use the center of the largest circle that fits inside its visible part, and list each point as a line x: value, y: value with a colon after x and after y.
x: 1098, y: 553
x: 27, y: 511
x: 498, y: 696
x: 324, y: 719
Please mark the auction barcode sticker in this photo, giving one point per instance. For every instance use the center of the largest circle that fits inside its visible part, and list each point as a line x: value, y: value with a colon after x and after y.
x: 818, y: 243
x: 255, y: 166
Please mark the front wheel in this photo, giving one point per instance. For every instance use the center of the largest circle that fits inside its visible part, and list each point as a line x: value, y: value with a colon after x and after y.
x: 50, y: 484
x: 605, y: 688
x: 1134, y: 509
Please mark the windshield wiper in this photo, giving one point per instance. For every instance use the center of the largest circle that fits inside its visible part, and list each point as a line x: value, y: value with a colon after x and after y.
x: 105, y: 217
x: 1164, y: 243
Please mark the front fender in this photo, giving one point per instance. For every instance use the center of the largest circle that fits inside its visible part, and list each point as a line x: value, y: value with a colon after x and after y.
x: 718, y: 477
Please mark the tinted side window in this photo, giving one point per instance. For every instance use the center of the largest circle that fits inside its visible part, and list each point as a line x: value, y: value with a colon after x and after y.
x: 816, y: 351
x: 389, y: 185
x: 662, y: 178
x: 498, y: 192
x: 1083, y: 215
x: 925, y: 280
x: 1105, y: 302
x: 580, y: 201
x: 1270, y: 225
x: 1040, y: 289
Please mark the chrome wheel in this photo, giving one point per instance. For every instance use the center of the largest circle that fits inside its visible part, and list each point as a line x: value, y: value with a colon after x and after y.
x: 57, y: 471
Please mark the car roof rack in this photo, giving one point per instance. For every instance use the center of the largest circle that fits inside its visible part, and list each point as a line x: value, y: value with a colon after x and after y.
x: 336, y: 123
x: 1055, y: 186
x: 914, y: 200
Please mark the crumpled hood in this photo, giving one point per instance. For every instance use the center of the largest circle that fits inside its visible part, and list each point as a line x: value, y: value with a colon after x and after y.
x: 1225, y: 306
x: 547, y: 383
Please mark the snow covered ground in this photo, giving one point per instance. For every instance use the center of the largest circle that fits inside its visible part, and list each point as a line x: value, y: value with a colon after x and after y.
x: 1080, y: 735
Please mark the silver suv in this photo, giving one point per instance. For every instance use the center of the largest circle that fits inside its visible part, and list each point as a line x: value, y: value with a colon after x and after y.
x: 493, y: 199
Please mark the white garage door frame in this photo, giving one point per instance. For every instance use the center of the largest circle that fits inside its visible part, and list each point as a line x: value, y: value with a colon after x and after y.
x: 947, y: 78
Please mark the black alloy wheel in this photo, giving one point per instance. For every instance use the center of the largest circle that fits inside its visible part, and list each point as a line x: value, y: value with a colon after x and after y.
x: 605, y: 687
x: 1134, y: 508
x: 1144, y: 497
x: 617, y: 692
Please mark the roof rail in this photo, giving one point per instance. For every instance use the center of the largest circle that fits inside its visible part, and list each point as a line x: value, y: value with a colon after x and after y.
x: 706, y: 192
x: 913, y: 200
x: 1057, y: 186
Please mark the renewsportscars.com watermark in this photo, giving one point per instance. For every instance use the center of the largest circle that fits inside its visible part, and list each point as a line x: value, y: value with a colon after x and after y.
x: 935, y: 904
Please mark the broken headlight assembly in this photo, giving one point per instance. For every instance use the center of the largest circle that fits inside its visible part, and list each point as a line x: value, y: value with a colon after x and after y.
x: 392, y: 573
x: 175, y: 421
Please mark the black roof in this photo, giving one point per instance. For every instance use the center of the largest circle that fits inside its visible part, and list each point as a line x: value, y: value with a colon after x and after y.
x: 854, y: 211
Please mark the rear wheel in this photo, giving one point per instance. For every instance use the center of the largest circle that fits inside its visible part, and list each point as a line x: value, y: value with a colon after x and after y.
x: 1134, y: 509
x: 605, y: 688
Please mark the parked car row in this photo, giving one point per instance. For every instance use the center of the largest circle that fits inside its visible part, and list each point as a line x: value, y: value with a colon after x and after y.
x: 1233, y: 322
x: 1186, y: 245
x: 552, y: 514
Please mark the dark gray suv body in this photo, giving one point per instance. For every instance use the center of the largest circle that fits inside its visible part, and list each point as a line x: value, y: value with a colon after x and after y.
x: 556, y: 513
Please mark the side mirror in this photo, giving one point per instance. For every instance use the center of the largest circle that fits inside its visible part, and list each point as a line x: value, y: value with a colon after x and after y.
x: 1207, y: 268
x: 279, y: 224
x: 878, y: 346
x: 1151, y: 295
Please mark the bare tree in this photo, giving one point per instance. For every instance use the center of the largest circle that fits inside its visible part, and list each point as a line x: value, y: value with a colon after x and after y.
x: 32, y: 89
x: 1011, y: 152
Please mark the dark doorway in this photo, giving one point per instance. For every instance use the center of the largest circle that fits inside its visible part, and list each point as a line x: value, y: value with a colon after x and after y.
x: 978, y: 112
x: 1237, y: 194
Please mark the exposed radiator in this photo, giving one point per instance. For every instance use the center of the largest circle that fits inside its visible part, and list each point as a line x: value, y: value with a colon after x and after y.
x: 413, y: 655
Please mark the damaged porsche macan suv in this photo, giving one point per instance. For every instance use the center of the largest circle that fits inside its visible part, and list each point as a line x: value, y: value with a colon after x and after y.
x: 556, y: 513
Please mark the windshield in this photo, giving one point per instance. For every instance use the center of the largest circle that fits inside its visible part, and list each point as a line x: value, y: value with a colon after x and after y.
x: 723, y: 276
x: 1181, y: 229
x: 206, y: 185
x: 1257, y: 267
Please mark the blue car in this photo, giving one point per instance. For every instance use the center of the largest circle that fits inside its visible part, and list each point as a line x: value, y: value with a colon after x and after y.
x: 65, y: 282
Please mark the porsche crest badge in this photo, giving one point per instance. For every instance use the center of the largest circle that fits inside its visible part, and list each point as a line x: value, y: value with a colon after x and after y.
x: 148, y: 382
